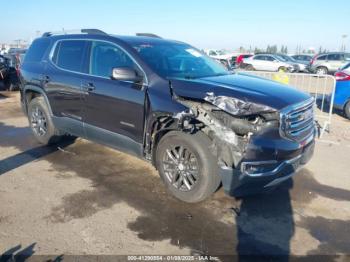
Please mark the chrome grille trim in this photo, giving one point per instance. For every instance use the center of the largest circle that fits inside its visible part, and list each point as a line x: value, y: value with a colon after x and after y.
x: 297, y: 121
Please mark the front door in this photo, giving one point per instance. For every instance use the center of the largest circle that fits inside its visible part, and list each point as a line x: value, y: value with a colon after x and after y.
x: 113, y: 111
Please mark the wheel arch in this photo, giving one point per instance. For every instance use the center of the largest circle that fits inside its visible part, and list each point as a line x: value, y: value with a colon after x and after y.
x: 30, y: 92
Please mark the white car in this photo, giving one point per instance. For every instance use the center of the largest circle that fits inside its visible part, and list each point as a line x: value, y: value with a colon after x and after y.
x: 227, y: 59
x: 268, y: 62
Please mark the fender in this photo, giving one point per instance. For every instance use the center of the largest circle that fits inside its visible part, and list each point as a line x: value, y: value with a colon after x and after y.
x: 38, y: 90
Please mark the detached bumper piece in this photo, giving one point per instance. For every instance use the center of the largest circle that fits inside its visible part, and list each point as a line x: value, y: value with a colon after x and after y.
x: 259, y: 176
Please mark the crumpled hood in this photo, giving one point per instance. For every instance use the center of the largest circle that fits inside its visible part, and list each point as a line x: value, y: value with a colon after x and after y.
x: 241, y: 86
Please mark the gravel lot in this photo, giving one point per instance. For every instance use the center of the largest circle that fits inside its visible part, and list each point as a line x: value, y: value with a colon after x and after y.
x: 83, y: 198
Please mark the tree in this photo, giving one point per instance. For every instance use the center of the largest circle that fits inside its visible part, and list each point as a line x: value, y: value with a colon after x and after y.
x: 268, y: 49
x: 274, y: 49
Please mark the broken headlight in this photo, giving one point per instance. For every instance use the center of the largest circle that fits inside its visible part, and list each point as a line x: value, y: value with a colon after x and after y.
x: 236, y: 106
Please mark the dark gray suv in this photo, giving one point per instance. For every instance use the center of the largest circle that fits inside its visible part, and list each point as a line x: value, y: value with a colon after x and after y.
x: 166, y: 102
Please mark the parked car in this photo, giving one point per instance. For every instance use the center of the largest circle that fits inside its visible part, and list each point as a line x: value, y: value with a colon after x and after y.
x: 342, y: 90
x: 302, y: 66
x: 8, y: 74
x: 168, y: 103
x: 240, y: 58
x: 302, y: 58
x: 329, y: 62
x: 14, y: 51
x: 268, y: 62
x: 227, y: 59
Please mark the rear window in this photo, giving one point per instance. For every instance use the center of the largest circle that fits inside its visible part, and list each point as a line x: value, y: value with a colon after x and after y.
x: 37, y: 50
x: 69, y: 55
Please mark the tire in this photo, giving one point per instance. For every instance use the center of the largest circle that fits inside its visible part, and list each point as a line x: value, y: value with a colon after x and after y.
x: 321, y: 70
x: 197, y: 166
x: 347, y: 110
x: 281, y: 68
x: 249, y: 68
x: 41, y: 123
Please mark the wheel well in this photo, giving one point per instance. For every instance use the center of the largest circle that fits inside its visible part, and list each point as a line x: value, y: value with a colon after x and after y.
x: 322, y: 67
x: 158, y: 136
x: 30, y: 95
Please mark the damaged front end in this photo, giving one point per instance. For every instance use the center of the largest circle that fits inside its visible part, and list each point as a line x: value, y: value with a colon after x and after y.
x: 229, y: 131
x: 251, y: 153
x: 232, y: 125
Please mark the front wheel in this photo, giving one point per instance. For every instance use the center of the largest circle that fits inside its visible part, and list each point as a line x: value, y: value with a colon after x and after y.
x: 249, y: 68
x: 188, y: 169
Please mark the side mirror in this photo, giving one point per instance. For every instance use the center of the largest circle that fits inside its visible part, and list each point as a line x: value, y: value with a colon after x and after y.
x: 126, y: 74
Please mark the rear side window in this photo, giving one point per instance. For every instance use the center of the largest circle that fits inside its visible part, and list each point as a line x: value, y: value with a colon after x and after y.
x: 322, y: 57
x: 259, y: 57
x: 335, y: 57
x: 69, y: 55
x: 37, y: 50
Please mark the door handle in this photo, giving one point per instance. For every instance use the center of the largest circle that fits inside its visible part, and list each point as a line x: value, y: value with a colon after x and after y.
x: 88, y: 87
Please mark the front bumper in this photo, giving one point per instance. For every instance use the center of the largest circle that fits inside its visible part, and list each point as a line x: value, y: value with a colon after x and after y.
x: 239, y: 182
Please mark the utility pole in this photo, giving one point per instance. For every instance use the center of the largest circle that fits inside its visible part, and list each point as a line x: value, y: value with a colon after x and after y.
x: 343, y: 45
x: 18, y: 42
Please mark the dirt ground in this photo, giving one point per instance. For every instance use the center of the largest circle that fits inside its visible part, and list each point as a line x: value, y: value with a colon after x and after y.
x: 83, y: 198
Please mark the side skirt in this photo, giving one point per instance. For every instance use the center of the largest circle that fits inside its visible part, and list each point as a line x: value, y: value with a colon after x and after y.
x: 99, y: 135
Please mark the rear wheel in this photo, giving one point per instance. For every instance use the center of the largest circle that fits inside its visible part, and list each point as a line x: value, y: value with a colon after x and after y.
x: 347, y: 110
x: 41, y: 123
x: 322, y: 70
x: 187, y: 167
x: 249, y: 68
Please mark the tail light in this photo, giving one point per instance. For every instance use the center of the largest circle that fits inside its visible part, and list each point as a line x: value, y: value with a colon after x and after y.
x: 341, y: 76
x: 313, y: 59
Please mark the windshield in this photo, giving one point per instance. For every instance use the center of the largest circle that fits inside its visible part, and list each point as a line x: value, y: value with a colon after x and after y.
x: 171, y: 60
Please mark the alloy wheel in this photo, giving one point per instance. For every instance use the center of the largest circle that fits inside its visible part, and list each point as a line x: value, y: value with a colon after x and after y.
x: 181, y: 168
x: 38, y: 122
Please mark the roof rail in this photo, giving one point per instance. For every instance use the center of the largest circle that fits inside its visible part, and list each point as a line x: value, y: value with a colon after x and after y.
x: 82, y: 31
x: 148, y: 35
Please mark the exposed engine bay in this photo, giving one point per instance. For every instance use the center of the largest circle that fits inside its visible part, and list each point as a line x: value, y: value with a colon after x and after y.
x: 230, y: 131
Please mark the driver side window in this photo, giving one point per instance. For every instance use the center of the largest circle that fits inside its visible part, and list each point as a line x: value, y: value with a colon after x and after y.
x: 106, y: 56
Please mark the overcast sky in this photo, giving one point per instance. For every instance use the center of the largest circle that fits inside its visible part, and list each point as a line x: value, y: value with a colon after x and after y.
x: 206, y: 24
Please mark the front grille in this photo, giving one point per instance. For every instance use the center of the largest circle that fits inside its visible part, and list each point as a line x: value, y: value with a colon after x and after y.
x: 297, y: 121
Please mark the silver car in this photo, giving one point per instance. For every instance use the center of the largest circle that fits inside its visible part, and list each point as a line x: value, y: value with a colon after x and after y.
x: 302, y: 66
x: 328, y: 63
x: 269, y: 62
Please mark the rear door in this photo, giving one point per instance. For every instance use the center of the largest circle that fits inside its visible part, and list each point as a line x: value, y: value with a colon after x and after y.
x: 336, y: 61
x: 113, y: 109
x: 63, y: 79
